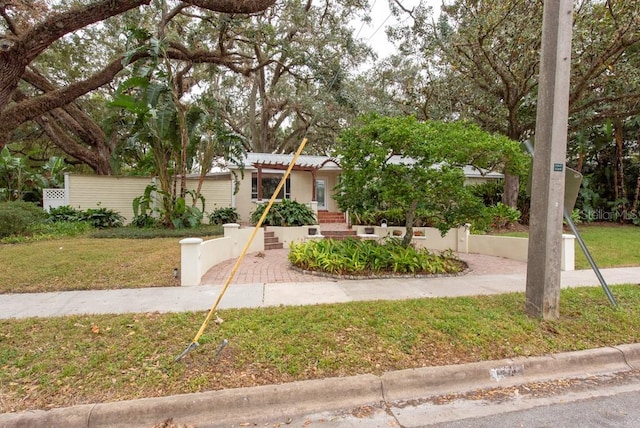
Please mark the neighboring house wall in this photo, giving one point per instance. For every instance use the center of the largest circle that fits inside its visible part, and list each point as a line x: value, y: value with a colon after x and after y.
x: 217, y: 192
x: 118, y: 193
x: 115, y: 193
x: 479, y: 180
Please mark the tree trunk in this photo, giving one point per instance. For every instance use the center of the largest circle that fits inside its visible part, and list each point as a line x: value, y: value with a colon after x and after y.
x: 580, y: 162
x: 511, y: 189
x: 184, y: 140
x: 409, y: 220
x: 634, y: 208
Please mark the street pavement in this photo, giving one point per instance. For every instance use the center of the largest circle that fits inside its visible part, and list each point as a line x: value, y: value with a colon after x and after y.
x: 273, y: 283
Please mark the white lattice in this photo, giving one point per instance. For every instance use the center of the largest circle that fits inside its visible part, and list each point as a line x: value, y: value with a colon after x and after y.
x: 53, y: 193
x: 53, y: 198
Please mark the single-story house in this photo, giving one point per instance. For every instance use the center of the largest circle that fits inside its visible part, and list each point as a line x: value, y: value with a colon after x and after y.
x: 312, y: 182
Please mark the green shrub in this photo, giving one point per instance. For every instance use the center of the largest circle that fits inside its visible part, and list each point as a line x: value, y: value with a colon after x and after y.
x: 18, y: 217
x: 132, y: 232
x: 144, y: 221
x: 224, y: 215
x: 285, y: 213
x: 490, y: 191
x: 503, y: 215
x: 355, y: 257
x: 65, y: 213
x: 499, y: 216
x: 102, y: 218
x: 173, y: 211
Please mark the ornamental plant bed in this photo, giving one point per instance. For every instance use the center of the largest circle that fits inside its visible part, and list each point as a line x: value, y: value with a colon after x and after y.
x: 369, y: 258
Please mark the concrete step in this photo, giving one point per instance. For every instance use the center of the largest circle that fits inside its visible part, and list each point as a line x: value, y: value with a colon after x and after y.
x: 330, y: 217
x: 271, y: 242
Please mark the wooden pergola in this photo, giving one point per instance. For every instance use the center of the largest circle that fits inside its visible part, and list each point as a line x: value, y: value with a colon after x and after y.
x: 313, y: 169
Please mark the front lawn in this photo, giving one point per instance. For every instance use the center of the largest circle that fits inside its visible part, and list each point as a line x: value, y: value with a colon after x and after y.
x: 611, y: 245
x: 84, y: 359
x: 123, y: 257
x: 89, y: 264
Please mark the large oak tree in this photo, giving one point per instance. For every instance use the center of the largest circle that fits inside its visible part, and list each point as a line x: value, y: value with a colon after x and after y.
x: 485, y: 57
x: 30, y: 28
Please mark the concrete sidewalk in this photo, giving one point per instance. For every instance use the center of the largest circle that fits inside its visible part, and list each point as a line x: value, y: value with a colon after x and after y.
x: 253, y: 295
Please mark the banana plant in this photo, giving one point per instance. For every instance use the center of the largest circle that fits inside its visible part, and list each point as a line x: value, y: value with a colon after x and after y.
x: 16, y: 178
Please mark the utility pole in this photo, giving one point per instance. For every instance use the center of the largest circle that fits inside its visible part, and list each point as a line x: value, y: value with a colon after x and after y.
x: 547, y: 186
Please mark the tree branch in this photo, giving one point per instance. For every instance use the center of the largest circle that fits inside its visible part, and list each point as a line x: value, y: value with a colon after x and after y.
x: 232, y: 6
x: 40, y: 37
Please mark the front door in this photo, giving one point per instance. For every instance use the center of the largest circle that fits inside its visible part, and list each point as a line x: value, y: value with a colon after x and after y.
x: 321, y: 193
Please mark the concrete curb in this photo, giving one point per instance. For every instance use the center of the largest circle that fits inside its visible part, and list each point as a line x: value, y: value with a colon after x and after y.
x: 631, y: 354
x: 270, y: 402
x: 431, y: 381
x: 213, y: 408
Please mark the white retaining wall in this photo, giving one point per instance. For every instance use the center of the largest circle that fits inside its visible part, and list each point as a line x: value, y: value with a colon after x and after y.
x: 198, y: 256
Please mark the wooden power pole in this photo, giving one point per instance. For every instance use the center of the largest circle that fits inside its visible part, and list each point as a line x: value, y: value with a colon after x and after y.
x: 550, y: 150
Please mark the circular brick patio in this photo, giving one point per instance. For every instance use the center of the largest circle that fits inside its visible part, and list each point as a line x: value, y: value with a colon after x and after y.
x: 272, y: 266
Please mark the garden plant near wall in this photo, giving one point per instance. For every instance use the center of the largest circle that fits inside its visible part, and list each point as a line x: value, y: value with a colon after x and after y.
x: 369, y: 258
x: 224, y: 215
x: 285, y: 213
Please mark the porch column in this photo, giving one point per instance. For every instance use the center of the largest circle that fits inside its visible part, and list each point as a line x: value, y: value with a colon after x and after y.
x: 313, y: 185
x: 259, y: 183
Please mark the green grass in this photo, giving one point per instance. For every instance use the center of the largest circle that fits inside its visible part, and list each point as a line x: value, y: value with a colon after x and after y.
x: 82, y: 359
x: 67, y: 256
x: 610, y: 245
x: 85, y: 263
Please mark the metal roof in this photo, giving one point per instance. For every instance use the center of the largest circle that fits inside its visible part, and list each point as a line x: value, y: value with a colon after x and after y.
x: 304, y: 161
x: 332, y: 164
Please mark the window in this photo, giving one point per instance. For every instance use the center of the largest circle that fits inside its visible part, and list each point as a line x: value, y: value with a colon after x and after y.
x: 270, y: 182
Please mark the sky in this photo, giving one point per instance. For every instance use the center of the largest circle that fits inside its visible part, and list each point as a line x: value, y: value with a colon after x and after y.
x: 375, y: 32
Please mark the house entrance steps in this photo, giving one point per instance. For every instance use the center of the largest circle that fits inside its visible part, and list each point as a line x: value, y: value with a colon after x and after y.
x: 329, y: 217
x: 271, y: 241
x: 333, y: 226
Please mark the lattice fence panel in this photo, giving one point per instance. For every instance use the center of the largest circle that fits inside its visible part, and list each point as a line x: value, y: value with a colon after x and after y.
x: 53, y: 198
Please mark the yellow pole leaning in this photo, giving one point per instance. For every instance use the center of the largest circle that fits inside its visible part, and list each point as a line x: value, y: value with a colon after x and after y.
x: 194, y: 343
